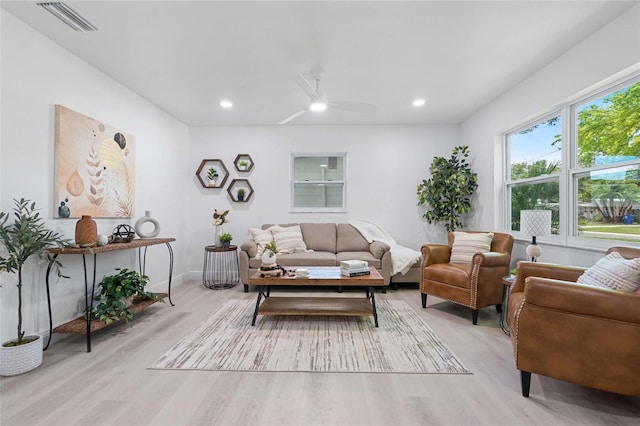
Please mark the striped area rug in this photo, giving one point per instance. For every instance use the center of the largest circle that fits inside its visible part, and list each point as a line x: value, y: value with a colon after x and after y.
x: 226, y: 341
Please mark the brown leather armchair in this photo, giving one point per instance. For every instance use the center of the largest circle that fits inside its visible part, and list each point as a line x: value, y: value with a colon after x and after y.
x: 476, y: 285
x: 581, y: 334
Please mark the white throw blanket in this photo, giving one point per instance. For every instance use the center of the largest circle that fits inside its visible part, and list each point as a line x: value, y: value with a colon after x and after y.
x: 402, y: 258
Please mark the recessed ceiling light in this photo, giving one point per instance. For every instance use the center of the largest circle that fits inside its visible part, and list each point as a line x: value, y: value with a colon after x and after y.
x: 418, y: 102
x: 226, y: 104
x: 318, y: 106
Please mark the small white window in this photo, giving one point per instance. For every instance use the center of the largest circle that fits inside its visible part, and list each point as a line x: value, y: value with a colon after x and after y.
x: 318, y: 182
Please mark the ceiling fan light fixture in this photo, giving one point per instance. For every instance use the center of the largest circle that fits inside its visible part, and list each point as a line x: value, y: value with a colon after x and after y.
x: 318, y: 106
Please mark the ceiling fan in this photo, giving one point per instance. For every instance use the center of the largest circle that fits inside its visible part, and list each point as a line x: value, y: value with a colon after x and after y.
x: 318, y: 100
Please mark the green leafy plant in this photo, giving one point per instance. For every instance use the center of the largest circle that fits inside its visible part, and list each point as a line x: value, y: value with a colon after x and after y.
x: 212, y: 174
x: 448, y: 192
x: 226, y: 237
x: 26, y: 236
x: 243, y: 163
x: 271, y: 246
x: 241, y: 192
x: 114, y: 292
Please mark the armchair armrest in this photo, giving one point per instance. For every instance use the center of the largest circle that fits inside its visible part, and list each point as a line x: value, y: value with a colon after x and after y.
x: 579, y: 299
x: 544, y: 270
x: 435, y: 253
x: 491, y: 258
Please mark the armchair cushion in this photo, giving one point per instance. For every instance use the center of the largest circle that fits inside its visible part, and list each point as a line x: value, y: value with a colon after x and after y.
x: 466, y: 245
x: 613, y: 271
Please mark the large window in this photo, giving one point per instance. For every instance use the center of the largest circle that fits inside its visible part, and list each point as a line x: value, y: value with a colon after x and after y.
x: 582, y: 163
x: 318, y: 182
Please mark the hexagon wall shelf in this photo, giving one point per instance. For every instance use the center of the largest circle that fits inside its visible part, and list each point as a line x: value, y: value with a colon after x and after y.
x: 243, y: 158
x: 237, y: 184
x: 203, y: 171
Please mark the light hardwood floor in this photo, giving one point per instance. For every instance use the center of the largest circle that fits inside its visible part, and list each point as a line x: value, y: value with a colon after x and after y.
x: 112, y: 386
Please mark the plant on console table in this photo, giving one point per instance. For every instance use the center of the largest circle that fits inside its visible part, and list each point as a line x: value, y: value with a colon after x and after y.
x: 117, y: 295
x: 24, y: 237
x: 448, y: 192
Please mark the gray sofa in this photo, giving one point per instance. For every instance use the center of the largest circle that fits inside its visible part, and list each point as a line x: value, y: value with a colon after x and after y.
x: 331, y: 243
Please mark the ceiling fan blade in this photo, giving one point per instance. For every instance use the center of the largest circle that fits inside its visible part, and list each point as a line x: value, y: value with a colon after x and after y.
x: 354, y: 106
x: 292, y: 116
x: 308, y: 87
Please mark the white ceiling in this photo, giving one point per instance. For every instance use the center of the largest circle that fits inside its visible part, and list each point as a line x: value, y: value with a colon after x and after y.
x: 186, y: 56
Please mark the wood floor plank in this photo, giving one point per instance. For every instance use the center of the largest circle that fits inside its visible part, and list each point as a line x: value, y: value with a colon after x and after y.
x: 112, y: 385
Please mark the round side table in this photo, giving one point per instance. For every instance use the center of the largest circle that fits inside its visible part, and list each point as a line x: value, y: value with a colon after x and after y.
x: 504, y: 315
x: 221, y: 269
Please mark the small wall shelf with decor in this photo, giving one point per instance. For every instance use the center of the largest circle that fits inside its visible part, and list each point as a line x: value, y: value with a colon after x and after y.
x: 212, y: 173
x: 243, y: 163
x: 240, y: 190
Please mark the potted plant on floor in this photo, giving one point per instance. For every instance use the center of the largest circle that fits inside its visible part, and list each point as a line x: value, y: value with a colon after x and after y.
x: 24, y: 237
x: 448, y: 192
x: 225, y: 239
x: 117, y: 295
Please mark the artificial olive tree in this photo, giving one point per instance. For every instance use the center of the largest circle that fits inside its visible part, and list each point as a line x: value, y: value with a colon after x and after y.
x: 448, y: 192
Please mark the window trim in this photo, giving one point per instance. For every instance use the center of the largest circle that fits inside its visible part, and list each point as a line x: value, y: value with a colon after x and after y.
x: 569, y: 173
x: 292, y: 183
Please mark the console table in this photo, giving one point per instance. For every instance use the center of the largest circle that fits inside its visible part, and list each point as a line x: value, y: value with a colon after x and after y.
x: 88, y: 296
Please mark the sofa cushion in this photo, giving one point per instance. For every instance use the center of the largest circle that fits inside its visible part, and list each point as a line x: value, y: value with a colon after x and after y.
x: 467, y: 244
x: 260, y: 237
x: 613, y: 271
x: 289, y: 239
x: 319, y: 236
x: 359, y: 255
x: 350, y: 239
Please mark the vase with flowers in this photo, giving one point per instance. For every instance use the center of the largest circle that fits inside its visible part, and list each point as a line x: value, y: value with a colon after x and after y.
x: 219, y: 219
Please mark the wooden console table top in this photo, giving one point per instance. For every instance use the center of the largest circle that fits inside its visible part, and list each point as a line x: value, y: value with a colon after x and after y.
x: 135, y: 243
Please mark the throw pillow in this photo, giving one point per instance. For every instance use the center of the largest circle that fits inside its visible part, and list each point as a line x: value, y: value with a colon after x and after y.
x: 466, y: 244
x: 613, y: 271
x: 261, y: 237
x: 289, y: 239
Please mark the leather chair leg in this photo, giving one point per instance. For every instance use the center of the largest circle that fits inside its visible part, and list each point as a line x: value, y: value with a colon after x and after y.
x: 499, y: 308
x: 424, y: 299
x: 474, y: 316
x: 525, y: 381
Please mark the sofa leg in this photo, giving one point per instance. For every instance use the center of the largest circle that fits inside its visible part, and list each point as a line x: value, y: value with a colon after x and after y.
x: 474, y: 316
x: 525, y: 381
x: 499, y: 308
x: 384, y: 288
x: 394, y: 286
x: 246, y: 288
x: 339, y: 289
x: 424, y: 299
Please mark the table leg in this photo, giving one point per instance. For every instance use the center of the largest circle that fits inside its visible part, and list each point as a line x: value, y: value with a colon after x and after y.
x: 88, y: 297
x: 51, y: 263
x: 372, y: 296
x: 255, y: 313
x: 170, y: 272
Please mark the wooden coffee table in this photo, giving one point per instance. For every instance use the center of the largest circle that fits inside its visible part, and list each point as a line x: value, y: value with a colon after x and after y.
x: 314, y: 305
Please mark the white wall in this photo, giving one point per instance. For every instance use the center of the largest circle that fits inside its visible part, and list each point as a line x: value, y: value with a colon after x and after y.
x: 612, y: 50
x: 36, y: 75
x: 384, y: 166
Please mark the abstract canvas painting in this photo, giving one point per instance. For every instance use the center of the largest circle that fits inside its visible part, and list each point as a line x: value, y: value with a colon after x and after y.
x: 95, y: 167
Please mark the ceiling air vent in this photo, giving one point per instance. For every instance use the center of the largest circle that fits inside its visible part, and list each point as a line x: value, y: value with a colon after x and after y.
x: 69, y: 16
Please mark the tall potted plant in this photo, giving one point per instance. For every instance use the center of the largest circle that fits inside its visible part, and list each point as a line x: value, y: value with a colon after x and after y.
x: 22, y: 238
x: 448, y: 192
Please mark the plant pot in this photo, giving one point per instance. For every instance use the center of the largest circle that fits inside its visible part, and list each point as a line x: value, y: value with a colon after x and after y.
x: 240, y: 197
x: 226, y: 244
x: 212, y: 184
x: 20, y: 359
x: 268, y: 257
